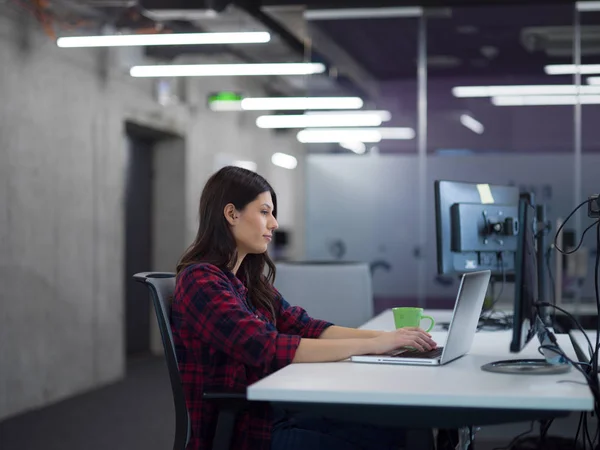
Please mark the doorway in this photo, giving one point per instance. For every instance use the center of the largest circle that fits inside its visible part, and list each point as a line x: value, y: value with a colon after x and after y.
x: 154, y: 225
x: 138, y: 240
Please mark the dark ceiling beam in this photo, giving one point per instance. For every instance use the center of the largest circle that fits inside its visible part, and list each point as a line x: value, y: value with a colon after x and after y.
x: 219, y: 5
x: 335, y: 4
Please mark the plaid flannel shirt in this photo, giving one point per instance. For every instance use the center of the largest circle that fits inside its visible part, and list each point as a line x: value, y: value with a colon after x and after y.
x: 223, y: 344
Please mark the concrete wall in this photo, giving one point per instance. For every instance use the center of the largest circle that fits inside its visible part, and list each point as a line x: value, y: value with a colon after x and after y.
x: 62, y: 167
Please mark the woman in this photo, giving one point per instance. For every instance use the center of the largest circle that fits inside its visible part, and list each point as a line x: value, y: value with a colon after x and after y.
x: 231, y: 327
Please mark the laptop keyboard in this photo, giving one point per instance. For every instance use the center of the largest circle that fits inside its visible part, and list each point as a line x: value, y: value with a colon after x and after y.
x: 432, y: 354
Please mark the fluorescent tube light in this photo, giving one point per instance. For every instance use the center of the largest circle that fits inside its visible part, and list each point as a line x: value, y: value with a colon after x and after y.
x: 472, y: 124
x: 300, y: 103
x: 225, y: 105
x: 332, y: 135
x: 534, y: 89
x: 593, y: 80
x: 588, y: 6
x: 539, y: 100
x: 320, y: 120
x: 337, y: 135
x: 384, y: 115
x: 249, y: 165
x: 357, y: 147
x: 141, y: 40
x: 363, y: 13
x: 224, y: 70
x: 397, y: 133
x: 284, y: 160
x: 569, y: 69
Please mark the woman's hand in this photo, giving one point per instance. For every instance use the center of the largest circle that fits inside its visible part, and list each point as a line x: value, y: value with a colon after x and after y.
x: 403, y: 337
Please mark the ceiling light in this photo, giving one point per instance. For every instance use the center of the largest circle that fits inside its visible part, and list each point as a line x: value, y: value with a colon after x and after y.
x: 539, y: 100
x: 357, y: 147
x: 534, y: 89
x: 284, y: 160
x: 225, y: 105
x: 385, y: 116
x: 337, y: 135
x: 332, y: 135
x: 363, y: 13
x: 223, y: 70
x: 319, y: 120
x: 397, y: 133
x: 139, y: 40
x: 300, y: 103
x: 593, y: 80
x: 569, y: 69
x: 472, y: 124
x: 248, y: 165
x: 588, y: 6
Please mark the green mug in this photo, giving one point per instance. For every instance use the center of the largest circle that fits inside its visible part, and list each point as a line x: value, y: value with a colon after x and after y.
x: 410, y: 317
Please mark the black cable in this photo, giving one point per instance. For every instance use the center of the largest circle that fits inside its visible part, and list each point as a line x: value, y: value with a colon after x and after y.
x: 586, y: 432
x: 579, y: 427
x: 574, y: 320
x: 570, y: 252
x: 595, y: 363
x: 544, y: 429
x: 565, y: 222
x: 512, y: 443
x: 552, y: 283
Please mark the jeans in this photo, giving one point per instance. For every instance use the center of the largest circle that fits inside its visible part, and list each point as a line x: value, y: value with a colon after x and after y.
x: 303, y: 432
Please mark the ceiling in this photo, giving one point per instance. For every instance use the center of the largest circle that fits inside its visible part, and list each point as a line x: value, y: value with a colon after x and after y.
x: 378, y: 60
x: 489, y: 41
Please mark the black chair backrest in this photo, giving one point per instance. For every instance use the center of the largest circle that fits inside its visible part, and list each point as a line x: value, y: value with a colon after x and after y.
x: 162, y: 287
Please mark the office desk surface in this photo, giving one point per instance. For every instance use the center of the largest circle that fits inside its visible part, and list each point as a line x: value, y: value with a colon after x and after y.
x: 460, y: 383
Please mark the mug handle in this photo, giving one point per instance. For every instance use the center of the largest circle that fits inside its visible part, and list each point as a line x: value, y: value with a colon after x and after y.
x: 431, y: 325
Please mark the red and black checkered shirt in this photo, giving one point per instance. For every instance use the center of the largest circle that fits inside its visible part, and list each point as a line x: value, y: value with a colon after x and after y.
x: 223, y: 344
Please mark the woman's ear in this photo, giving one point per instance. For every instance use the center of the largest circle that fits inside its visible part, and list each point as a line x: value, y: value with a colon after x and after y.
x: 231, y: 214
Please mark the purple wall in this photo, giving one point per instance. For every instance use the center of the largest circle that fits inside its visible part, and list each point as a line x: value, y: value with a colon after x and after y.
x: 545, y: 129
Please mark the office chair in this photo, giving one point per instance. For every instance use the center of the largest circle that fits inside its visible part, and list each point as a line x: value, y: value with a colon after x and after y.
x: 162, y: 286
x: 338, y: 291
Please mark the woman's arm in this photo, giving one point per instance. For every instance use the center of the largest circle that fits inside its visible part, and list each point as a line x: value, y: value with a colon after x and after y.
x: 324, y: 350
x: 335, y: 332
x: 319, y: 350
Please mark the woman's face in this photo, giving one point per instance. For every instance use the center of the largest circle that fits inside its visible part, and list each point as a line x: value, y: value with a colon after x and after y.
x: 253, y: 226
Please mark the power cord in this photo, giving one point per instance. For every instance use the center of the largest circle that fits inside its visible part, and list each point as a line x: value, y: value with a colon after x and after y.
x: 552, y: 283
x: 589, y: 369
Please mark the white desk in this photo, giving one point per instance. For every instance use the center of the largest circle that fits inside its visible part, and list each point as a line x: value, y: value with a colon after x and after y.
x: 453, y: 395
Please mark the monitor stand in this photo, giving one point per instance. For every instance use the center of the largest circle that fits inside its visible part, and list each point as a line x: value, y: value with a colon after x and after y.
x: 551, y: 365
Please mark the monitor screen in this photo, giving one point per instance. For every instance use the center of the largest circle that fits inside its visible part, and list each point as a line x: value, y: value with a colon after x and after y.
x: 526, y: 278
x: 476, y: 227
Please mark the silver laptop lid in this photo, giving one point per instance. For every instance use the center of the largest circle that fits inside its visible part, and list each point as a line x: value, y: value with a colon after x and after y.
x: 465, y: 318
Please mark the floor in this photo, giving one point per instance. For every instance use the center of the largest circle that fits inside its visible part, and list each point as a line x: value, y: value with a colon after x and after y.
x: 136, y: 413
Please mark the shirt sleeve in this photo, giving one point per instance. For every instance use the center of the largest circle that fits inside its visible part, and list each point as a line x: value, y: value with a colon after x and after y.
x: 215, y: 313
x: 296, y: 321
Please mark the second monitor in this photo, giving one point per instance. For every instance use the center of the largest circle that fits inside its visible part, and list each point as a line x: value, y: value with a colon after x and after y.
x: 477, y: 227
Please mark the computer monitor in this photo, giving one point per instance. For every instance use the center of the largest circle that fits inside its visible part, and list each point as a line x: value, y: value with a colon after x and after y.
x: 476, y: 227
x: 527, y: 320
x: 526, y: 284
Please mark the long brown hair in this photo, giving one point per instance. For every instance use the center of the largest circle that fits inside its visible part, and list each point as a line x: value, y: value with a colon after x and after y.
x: 215, y: 243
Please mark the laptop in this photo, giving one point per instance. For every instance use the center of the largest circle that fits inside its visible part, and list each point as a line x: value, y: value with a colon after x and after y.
x: 463, y: 326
